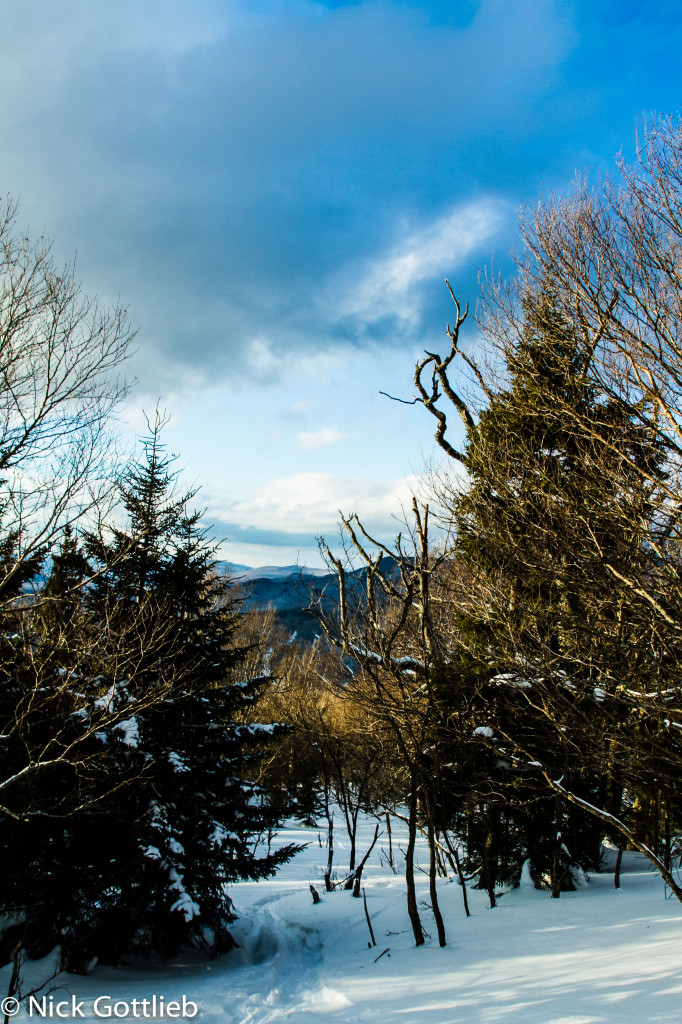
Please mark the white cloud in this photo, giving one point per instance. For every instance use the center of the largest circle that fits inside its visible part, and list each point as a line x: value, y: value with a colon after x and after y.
x: 308, y: 439
x: 269, y: 361
x: 390, y: 284
x: 311, y: 502
x: 299, y: 409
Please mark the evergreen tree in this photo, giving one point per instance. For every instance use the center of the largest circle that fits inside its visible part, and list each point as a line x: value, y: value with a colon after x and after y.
x: 168, y: 816
x: 189, y: 828
x: 557, y: 479
x: 561, y: 482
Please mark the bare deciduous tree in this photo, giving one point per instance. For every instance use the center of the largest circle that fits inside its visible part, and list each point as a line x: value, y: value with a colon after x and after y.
x: 385, y: 626
x: 61, y: 356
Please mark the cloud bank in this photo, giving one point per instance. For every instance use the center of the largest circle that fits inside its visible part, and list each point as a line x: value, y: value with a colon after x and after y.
x: 223, y: 166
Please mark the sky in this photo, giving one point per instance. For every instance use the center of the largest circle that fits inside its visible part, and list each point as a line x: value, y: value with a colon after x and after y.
x: 277, y: 189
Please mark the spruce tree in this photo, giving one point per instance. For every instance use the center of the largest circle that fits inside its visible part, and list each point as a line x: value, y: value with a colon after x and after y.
x: 148, y: 840
x: 560, y: 483
x: 189, y: 827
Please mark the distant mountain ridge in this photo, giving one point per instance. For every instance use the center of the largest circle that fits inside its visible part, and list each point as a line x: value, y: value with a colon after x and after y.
x: 288, y: 591
x: 271, y: 572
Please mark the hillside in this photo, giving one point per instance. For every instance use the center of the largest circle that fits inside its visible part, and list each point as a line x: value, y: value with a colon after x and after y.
x: 288, y: 591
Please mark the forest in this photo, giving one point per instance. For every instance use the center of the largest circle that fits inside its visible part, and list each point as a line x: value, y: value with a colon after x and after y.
x: 503, y: 679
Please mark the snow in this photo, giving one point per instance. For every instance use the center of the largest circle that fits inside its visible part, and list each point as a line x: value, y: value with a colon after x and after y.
x: 483, y: 730
x: 595, y: 956
x: 511, y: 679
x: 257, y: 729
x: 128, y: 727
x: 405, y: 664
x: 526, y: 880
x: 184, y: 904
x: 177, y: 762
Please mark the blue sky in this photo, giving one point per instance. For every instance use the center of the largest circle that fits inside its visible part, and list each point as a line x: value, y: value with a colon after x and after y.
x: 277, y: 191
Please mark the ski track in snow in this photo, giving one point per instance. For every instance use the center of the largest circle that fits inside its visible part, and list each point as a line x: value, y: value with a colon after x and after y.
x: 596, y: 956
x: 280, y: 969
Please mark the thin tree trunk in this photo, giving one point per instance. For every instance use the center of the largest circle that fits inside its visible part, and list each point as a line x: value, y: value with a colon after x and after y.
x: 412, y: 908
x: 490, y: 852
x: 556, y: 852
x: 358, y: 873
x: 440, y: 861
x: 440, y: 927
x: 344, y: 801
x: 353, y: 839
x: 369, y: 923
x: 616, y: 874
x: 460, y: 874
x: 556, y: 872
x: 390, y: 840
x: 330, y: 857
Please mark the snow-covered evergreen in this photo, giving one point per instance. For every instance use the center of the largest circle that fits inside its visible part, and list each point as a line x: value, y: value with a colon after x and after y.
x: 170, y: 813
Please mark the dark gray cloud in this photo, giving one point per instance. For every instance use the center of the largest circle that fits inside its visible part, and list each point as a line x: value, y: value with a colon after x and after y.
x: 222, y: 166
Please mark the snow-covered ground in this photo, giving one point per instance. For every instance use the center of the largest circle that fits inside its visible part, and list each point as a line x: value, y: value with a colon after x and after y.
x: 596, y: 955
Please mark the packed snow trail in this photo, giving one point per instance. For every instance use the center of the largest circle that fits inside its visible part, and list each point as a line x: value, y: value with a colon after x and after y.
x: 595, y: 956
x: 278, y: 964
